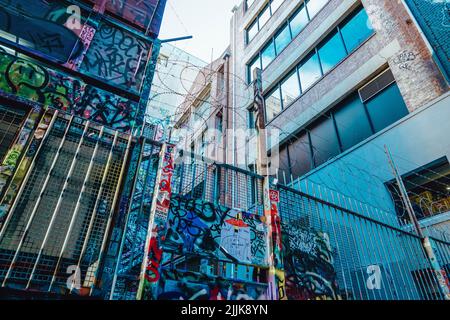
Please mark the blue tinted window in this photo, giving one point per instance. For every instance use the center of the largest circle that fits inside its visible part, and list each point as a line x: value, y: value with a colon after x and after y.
x: 273, y: 104
x: 252, y: 31
x: 267, y: 55
x: 290, y: 89
x: 314, y: 6
x: 264, y: 16
x: 386, y: 107
x: 256, y: 63
x: 282, y: 39
x: 300, y: 156
x: 299, y: 21
x: 356, y: 30
x: 309, y: 72
x: 275, y: 4
x: 332, y: 52
x: 352, y: 122
x: 324, y: 141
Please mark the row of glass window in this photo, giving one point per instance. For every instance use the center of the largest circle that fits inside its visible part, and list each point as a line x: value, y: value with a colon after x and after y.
x: 288, y: 31
x: 262, y: 18
x: 333, y: 49
x: 349, y: 123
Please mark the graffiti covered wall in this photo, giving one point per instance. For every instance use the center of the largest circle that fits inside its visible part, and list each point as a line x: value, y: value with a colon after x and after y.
x: 36, y: 83
x: 308, y: 265
x: 211, y: 230
x: 47, y: 28
x: 146, y: 14
x: 117, y: 57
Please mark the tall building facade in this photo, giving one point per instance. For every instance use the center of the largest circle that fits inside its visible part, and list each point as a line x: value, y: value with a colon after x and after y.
x: 175, y: 73
x: 74, y: 85
x: 341, y: 80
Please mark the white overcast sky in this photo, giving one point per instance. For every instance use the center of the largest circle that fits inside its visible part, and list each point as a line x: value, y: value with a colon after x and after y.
x: 208, y: 21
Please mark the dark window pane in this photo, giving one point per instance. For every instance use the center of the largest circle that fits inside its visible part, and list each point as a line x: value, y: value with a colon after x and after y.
x: 284, y: 172
x: 282, y: 39
x: 314, y: 6
x: 324, y: 141
x: 252, y: 31
x: 256, y: 63
x: 386, y: 108
x: 290, y: 89
x: 300, y: 156
x: 299, y: 21
x: 331, y: 52
x: 352, y: 122
x: 267, y: 55
x: 310, y: 72
x: 273, y: 105
x: 356, y: 30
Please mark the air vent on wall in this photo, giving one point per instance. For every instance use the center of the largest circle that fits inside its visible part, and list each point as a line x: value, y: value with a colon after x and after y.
x: 376, y: 85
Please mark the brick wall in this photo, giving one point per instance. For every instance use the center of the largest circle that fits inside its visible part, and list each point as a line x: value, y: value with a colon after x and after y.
x: 417, y: 75
x: 434, y: 19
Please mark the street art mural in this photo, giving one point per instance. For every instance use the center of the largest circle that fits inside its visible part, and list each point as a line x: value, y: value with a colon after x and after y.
x: 157, y: 225
x: 211, y: 230
x: 117, y: 57
x: 49, y: 88
x: 11, y: 162
x: 308, y: 264
x: 146, y: 14
x: 48, y: 28
x: 176, y: 285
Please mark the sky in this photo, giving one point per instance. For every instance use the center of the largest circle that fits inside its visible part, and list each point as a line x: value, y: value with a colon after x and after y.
x: 208, y: 21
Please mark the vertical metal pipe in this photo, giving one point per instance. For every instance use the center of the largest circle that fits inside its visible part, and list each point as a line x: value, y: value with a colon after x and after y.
x: 27, y: 175
x: 94, y: 211
x: 38, y: 201
x: 122, y: 242
x: 77, y: 207
x: 59, y: 202
x: 111, y: 212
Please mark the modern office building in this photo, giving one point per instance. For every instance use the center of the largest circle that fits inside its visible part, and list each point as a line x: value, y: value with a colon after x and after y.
x: 342, y: 79
x: 75, y: 79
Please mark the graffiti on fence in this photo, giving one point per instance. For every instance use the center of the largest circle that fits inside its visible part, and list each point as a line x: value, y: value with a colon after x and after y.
x: 42, y: 26
x: 179, y: 285
x: 57, y: 90
x: 308, y: 264
x: 118, y: 57
x: 211, y: 230
x: 157, y: 225
x: 9, y: 166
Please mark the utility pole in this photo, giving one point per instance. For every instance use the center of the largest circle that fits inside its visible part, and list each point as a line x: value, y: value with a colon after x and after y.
x: 427, y: 243
x: 271, y: 199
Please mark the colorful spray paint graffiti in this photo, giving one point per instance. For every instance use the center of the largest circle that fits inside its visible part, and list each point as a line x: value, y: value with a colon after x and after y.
x: 176, y: 285
x: 47, y: 28
x: 215, y: 231
x: 30, y: 81
x: 225, y: 248
x: 308, y: 264
x: 157, y: 225
x: 118, y: 57
x: 146, y: 14
x: 10, y: 163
